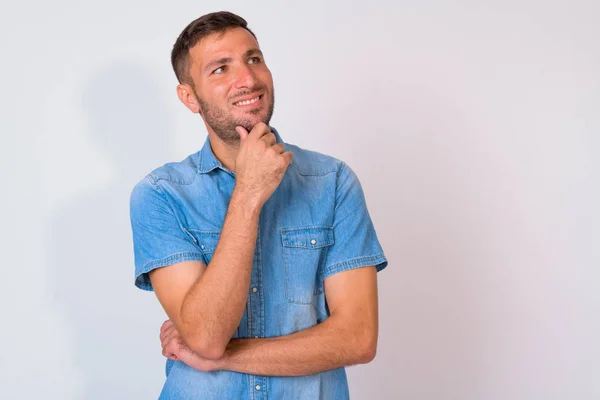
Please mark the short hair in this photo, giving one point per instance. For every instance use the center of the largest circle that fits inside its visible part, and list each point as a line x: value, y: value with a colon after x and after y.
x: 217, y: 22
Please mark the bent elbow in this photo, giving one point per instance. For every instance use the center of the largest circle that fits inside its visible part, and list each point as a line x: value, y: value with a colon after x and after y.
x: 206, y: 346
x: 367, y: 351
x: 368, y: 354
x: 206, y: 349
x: 212, y: 353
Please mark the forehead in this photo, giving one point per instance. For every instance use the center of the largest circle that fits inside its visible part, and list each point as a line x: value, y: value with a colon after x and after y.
x: 231, y: 43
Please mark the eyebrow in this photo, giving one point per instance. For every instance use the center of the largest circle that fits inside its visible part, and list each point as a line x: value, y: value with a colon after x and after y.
x: 252, y: 52
x: 214, y: 63
x: 227, y: 60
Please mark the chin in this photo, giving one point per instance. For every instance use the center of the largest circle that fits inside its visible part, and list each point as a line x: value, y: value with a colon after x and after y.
x: 250, y: 122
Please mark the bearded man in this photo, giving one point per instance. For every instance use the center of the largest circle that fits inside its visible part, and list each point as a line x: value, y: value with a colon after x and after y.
x: 262, y: 254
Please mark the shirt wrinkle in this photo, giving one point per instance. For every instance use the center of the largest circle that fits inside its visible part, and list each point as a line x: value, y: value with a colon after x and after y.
x: 314, y: 225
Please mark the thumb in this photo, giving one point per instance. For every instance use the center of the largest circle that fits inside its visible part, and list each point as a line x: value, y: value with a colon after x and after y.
x: 242, y: 132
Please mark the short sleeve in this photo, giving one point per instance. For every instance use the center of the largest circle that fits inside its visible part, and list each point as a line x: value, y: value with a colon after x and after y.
x: 355, y: 241
x: 158, y: 238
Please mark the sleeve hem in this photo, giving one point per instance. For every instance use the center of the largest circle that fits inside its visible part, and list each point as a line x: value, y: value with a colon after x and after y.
x: 378, y: 260
x: 141, y: 278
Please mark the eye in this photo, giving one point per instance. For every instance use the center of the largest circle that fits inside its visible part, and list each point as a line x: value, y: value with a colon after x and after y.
x: 219, y: 70
x: 254, y: 60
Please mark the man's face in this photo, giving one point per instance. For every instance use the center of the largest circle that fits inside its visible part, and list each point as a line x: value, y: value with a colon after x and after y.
x: 232, y: 83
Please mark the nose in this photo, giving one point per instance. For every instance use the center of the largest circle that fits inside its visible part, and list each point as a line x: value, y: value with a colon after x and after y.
x: 245, y: 77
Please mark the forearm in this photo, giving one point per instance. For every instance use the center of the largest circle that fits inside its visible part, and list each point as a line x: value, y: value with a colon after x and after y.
x: 329, y: 345
x: 213, y: 307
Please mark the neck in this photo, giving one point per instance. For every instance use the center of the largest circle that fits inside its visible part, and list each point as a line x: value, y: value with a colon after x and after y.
x: 226, y: 153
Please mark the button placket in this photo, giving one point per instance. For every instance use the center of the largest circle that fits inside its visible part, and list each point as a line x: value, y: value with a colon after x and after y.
x: 255, y: 320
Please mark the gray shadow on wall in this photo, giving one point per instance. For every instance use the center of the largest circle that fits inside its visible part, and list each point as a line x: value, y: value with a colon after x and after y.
x: 89, y: 243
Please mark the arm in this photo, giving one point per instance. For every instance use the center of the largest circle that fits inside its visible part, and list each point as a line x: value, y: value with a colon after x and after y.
x: 206, y: 304
x: 347, y: 337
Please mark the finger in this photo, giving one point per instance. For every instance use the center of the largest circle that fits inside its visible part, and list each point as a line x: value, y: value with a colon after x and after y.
x: 168, y: 337
x: 270, y: 139
x: 167, y: 352
x: 167, y: 332
x: 279, y: 148
x: 259, y: 130
x: 170, y: 345
x: 163, y: 328
x: 171, y: 337
x: 175, y: 348
x: 288, y: 156
x: 166, y: 324
x: 164, y: 331
x: 242, y: 132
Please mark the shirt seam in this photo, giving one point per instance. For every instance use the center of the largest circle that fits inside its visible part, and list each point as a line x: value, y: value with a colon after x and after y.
x: 337, y: 185
x: 165, y: 261
x: 362, y: 261
x: 161, y: 193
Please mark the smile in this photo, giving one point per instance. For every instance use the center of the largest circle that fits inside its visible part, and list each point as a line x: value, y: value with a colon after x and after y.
x: 248, y: 102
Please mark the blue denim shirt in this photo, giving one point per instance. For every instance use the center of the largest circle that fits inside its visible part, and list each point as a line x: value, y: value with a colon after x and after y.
x: 315, y: 224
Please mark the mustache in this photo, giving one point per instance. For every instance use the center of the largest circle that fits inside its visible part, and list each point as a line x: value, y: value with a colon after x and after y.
x: 248, y: 92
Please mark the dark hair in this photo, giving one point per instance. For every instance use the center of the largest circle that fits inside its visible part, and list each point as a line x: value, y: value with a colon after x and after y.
x: 217, y: 22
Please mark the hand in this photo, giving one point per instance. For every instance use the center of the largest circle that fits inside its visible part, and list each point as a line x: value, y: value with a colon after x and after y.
x: 174, y: 348
x: 260, y: 164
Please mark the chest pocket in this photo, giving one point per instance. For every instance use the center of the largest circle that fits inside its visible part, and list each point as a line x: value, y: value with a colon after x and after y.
x: 207, y: 241
x: 304, y: 252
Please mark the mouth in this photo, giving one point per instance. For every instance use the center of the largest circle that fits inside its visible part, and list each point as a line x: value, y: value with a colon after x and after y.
x: 248, y: 102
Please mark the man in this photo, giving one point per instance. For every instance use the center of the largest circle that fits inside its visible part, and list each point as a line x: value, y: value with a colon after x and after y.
x: 262, y: 254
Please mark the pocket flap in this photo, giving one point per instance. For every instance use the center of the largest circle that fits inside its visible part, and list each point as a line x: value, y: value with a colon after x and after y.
x: 207, y: 240
x: 310, y: 238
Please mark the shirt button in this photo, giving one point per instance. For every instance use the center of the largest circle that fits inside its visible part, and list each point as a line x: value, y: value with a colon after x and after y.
x: 257, y: 387
x: 202, y: 247
x: 254, y: 289
x: 313, y: 241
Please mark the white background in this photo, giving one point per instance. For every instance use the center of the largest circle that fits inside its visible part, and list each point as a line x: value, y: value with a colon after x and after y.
x: 473, y: 126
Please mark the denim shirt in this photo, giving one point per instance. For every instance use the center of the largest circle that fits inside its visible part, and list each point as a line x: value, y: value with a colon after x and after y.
x: 315, y: 224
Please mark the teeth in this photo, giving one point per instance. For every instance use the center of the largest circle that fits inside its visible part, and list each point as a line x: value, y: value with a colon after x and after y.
x: 246, y: 102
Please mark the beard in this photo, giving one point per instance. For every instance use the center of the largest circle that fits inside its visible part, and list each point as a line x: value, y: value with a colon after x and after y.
x: 224, y: 123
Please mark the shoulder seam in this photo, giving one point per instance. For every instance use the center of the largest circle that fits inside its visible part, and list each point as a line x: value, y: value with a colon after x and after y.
x: 156, y: 178
x: 330, y: 165
x: 341, y: 168
x: 161, y: 193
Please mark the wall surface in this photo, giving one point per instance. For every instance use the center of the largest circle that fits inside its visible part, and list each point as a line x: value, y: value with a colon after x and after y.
x: 473, y: 126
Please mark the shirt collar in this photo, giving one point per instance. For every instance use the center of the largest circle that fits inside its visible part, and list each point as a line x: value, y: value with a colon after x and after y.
x: 208, y: 161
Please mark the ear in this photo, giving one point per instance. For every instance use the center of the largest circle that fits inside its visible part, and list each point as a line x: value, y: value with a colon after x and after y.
x: 188, y: 97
